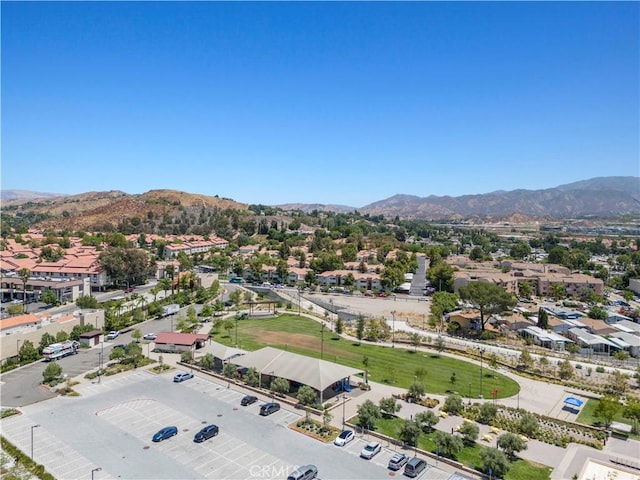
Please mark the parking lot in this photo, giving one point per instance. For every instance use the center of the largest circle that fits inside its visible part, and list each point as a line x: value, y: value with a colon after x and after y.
x: 111, y: 424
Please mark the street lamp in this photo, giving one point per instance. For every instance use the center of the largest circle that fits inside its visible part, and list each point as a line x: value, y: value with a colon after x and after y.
x: 481, y: 354
x: 18, y: 340
x: 94, y: 471
x: 344, y: 401
x: 299, y: 290
x: 393, y: 329
x: 322, y: 341
x: 469, y: 393
x: 32, y: 427
x: 236, y: 330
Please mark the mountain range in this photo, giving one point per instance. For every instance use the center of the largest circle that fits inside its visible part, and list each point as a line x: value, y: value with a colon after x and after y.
x: 601, y: 197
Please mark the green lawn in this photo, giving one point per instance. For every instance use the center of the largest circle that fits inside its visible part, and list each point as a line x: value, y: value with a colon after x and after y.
x: 396, y: 366
x: 587, y: 417
x: 520, y: 469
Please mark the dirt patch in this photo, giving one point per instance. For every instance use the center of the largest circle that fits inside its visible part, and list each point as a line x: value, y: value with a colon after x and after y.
x: 300, y: 340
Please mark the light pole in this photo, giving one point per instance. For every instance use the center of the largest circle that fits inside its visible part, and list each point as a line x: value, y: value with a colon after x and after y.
x: 99, y: 366
x: 518, y: 399
x: 299, y: 289
x: 481, y: 354
x: 18, y: 340
x: 469, y: 393
x: 32, y: 427
x: 344, y: 401
x: 322, y: 341
x: 94, y: 471
x: 236, y: 330
x: 393, y: 329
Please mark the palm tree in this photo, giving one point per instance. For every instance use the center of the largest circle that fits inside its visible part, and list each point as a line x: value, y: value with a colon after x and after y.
x: 166, y: 284
x: 24, y: 276
x: 171, y: 270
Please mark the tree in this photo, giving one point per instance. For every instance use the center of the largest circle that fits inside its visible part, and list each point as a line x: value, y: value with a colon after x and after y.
x: 543, y: 319
x: 368, y: 414
x: 228, y: 326
x: 494, y: 462
x: 236, y: 297
x: 453, y: 404
x: 426, y: 420
x: 526, y: 360
x: 632, y: 411
x: 487, y: 413
x: 252, y: 377
x: 136, y: 334
x: 230, y: 370
x: 621, y: 355
x: 558, y: 290
x: 48, y: 297
x: 598, y: 312
x: 441, y: 304
x: 415, y: 391
x: 447, y: 445
x: 86, y: 301
x: 117, y: 354
x: 416, y: 339
x: 326, y: 418
x: 389, y: 406
x: 280, y: 385
x: 618, y: 382
x: 45, y: 340
x: 440, y: 275
x: 607, y: 408
x: 24, y: 274
x: 409, y: 433
x: 28, y: 352
x: 134, y: 353
x: 524, y: 289
x: 52, y: 373
x: 208, y: 361
x: 565, y: 369
x: 62, y: 336
x: 528, y: 424
x: 489, y: 298
x: 511, y: 444
x: 339, y: 326
x: 469, y: 432
x: 306, y: 395
x: 420, y: 374
x: 360, y: 325
x: 440, y: 344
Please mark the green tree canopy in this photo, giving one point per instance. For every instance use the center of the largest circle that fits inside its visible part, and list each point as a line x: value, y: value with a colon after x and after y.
x: 409, y: 432
x: 368, y: 414
x: 511, y: 444
x: 494, y: 461
x: 489, y: 298
x: 447, y: 445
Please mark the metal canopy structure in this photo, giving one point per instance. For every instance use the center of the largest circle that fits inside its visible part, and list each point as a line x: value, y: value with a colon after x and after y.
x: 316, y: 373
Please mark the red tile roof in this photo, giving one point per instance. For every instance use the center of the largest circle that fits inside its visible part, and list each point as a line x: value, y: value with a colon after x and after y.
x: 180, y: 338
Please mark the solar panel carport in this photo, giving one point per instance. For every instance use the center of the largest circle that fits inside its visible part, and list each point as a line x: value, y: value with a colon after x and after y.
x: 316, y: 373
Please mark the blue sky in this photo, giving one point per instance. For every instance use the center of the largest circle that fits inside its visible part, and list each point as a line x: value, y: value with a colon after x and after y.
x: 330, y: 102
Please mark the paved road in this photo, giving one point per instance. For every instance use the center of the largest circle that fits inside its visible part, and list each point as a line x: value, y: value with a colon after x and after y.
x: 22, y: 386
x: 110, y: 426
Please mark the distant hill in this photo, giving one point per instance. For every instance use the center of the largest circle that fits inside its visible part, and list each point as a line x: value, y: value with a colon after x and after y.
x: 106, y: 210
x: 310, y: 207
x: 598, y: 197
x: 172, y: 211
x: 8, y: 195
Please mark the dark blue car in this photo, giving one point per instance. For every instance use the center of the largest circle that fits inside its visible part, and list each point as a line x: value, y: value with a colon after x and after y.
x: 206, y: 433
x: 166, y: 432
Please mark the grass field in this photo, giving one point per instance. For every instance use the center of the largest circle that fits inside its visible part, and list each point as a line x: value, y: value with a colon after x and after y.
x: 395, y: 366
x: 469, y: 455
x: 587, y: 417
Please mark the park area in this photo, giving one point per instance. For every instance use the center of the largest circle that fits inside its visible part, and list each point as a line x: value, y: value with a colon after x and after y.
x: 441, y: 375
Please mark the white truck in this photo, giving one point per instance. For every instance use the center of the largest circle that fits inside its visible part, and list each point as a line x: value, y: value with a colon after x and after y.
x: 170, y: 309
x: 56, y: 351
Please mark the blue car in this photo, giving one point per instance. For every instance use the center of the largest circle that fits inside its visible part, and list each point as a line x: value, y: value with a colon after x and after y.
x: 166, y: 432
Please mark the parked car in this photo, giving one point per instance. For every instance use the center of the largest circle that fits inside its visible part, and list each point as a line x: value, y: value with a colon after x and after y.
x: 414, y: 467
x: 345, y: 437
x: 150, y: 336
x: 371, y: 450
x: 397, y: 461
x: 121, y: 345
x: 113, y: 334
x: 306, y: 472
x: 269, y: 408
x: 206, y: 433
x: 166, y: 432
x: 248, y: 400
x: 182, y: 376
